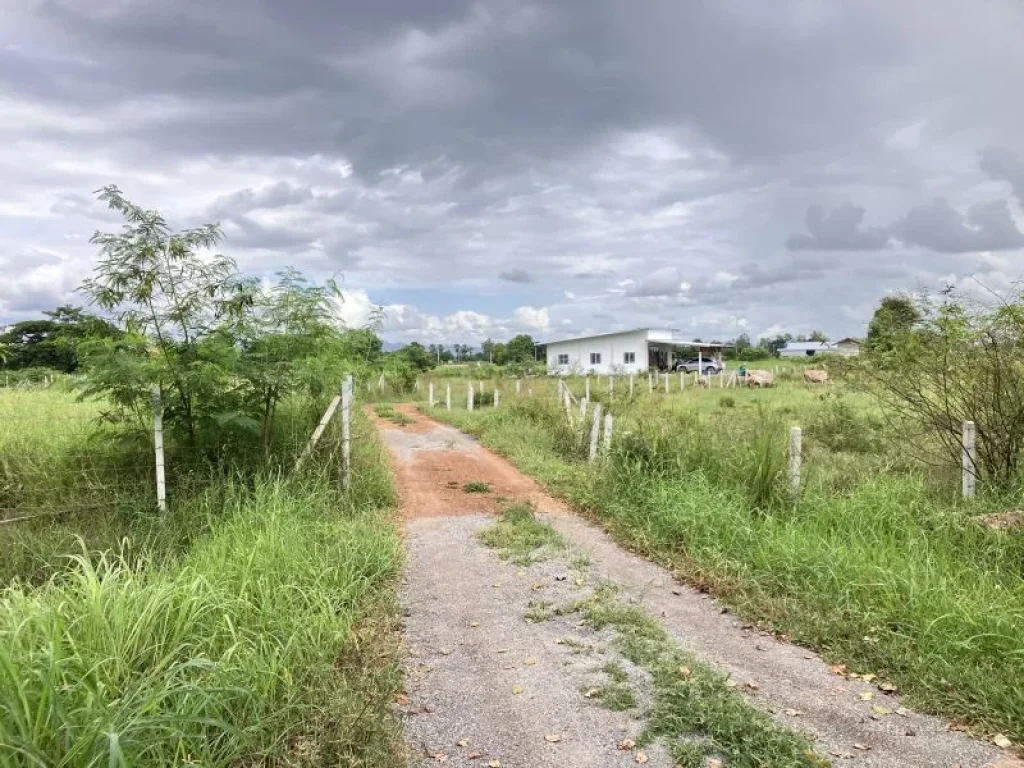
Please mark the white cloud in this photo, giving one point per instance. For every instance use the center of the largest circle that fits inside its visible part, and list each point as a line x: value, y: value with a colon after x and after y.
x: 531, y: 317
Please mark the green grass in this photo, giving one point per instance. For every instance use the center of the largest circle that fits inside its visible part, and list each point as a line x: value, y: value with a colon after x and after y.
x: 476, y: 486
x: 387, y: 411
x: 697, y: 714
x: 254, y: 623
x: 521, y: 537
x: 229, y: 656
x: 878, y: 565
x: 617, y: 694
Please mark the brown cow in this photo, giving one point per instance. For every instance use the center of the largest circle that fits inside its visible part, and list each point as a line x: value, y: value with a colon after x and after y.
x: 760, y: 379
x: 816, y: 376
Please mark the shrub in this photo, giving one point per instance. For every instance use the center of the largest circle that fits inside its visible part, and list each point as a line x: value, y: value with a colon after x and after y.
x: 727, y: 401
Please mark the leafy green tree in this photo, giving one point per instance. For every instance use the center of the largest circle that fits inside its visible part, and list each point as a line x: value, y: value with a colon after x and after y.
x: 53, y: 342
x: 947, y: 362
x: 520, y: 349
x: 895, y: 317
x: 173, y: 299
x: 416, y: 355
x: 817, y: 336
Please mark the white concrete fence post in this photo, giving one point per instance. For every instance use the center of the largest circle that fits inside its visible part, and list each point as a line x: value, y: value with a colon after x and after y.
x: 795, y: 459
x: 586, y: 387
x: 158, y: 450
x: 969, y: 459
x: 497, y: 397
x: 631, y: 378
x: 595, y: 430
x: 430, y: 393
x: 650, y: 382
x: 666, y: 383
x: 584, y: 402
x: 448, y: 395
x: 346, y: 430
x: 469, y: 397
x: 607, y: 433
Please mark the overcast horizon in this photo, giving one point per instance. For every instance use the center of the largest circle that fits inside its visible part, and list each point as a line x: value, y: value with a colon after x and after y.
x: 485, y: 168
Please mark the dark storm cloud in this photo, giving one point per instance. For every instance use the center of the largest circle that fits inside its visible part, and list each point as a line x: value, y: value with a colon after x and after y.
x: 940, y: 227
x: 655, y: 158
x: 1006, y: 165
x: 516, y: 275
x: 840, y: 230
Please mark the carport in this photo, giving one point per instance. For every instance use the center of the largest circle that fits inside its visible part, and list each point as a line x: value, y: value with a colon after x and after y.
x: 664, y: 354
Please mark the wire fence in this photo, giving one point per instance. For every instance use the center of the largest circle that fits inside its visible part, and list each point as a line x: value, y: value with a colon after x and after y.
x: 62, y: 455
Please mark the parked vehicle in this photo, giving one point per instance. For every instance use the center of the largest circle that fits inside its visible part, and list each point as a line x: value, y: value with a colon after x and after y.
x: 705, y: 366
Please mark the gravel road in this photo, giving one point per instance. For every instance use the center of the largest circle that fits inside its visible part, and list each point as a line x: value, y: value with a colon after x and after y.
x: 485, y: 687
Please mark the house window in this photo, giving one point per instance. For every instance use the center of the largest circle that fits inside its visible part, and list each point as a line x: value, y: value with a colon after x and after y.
x: 595, y: 358
x: 628, y: 358
x: 563, y: 359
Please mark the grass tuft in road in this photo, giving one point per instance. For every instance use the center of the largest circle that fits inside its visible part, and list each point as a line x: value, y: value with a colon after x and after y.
x: 520, y: 537
x: 476, y: 486
x: 694, y: 711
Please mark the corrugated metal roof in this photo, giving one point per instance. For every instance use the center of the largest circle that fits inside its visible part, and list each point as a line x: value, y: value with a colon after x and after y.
x: 669, y: 333
x: 808, y: 346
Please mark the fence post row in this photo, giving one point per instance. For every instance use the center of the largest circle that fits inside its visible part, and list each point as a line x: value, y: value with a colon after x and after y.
x: 795, y: 458
x: 158, y: 449
x: 968, y: 460
x: 595, y: 430
x: 346, y: 430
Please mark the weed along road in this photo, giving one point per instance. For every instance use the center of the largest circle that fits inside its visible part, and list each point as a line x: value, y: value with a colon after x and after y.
x: 531, y: 639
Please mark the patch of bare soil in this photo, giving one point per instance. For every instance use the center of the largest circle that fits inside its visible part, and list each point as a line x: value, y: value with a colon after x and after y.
x: 1002, y: 521
x: 433, y: 464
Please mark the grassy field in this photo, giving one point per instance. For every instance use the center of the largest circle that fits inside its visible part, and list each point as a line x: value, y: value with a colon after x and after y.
x: 254, y: 623
x: 878, y: 563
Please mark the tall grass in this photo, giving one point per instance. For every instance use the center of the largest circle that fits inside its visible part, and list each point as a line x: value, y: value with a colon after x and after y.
x: 876, y: 565
x: 252, y: 624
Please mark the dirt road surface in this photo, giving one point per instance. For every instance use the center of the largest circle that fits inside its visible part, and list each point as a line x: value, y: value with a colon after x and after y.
x: 484, y: 687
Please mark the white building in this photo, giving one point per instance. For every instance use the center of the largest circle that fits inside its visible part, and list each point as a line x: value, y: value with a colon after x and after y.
x: 846, y: 347
x: 626, y: 352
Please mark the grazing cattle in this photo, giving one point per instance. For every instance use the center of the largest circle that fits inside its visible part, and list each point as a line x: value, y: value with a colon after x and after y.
x: 760, y: 379
x: 816, y: 377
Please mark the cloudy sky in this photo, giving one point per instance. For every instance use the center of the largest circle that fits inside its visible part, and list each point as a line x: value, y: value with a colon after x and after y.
x: 484, y: 168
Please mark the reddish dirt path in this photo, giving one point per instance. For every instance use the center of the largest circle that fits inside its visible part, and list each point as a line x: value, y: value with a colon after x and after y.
x: 464, y: 613
x: 435, y: 462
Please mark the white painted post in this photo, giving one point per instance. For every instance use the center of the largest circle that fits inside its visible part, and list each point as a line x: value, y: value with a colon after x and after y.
x: 795, y: 458
x: 631, y: 377
x: 158, y: 449
x: 497, y: 398
x: 518, y: 385
x: 584, y: 402
x: 650, y: 382
x: 595, y: 430
x: 968, y: 459
x: 448, y: 395
x: 319, y: 431
x: 586, y: 387
x: 607, y: 433
x: 666, y: 383
x: 469, y: 396
x: 567, y: 401
x: 346, y: 430
x: 430, y: 393
x: 682, y: 380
